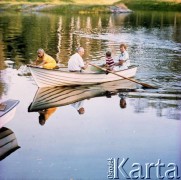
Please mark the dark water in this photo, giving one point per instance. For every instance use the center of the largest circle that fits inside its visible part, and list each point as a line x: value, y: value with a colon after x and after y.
x: 74, y: 146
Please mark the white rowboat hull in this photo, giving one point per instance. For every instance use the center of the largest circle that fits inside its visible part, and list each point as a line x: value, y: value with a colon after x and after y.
x: 52, y: 78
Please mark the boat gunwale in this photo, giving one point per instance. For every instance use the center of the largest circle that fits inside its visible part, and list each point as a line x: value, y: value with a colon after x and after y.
x: 16, y: 102
x: 103, y: 72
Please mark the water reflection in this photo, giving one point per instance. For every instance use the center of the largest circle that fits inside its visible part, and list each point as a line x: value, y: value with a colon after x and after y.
x: 60, y: 96
x: 79, y: 106
x: 122, y: 100
x: 1, y: 85
x: 59, y: 35
x: 46, y: 100
x: 153, y: 39
x: 45, y: 114
x: 8, y: 141
x: 165, y: 105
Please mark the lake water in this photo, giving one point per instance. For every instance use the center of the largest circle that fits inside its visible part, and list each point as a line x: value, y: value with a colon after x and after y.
x: 73, y: 146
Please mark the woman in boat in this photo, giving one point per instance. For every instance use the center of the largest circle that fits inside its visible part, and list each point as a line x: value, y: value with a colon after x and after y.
x: 123, y: 60
x: 44, y: 60
x: 76, y: 63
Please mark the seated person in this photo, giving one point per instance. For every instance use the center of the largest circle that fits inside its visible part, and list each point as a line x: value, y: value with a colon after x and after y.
x: 76, y: 63
x: 44, y: 60
x: 109, y: 61
x: 123, y: 60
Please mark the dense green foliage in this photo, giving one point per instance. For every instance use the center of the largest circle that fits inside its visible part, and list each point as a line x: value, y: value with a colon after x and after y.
x: 70, y: 6
x: 151, y: 5
x: 81, y: 9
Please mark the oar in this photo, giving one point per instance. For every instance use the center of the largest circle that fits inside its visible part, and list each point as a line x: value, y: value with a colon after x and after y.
x: 133, y: 80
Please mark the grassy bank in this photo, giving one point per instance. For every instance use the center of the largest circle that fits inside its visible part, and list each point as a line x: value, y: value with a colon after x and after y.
x: 58, y: 6
x: 52, y: 8
x: 62, y: 2
x: 87, y: 6
x: 161, y: 5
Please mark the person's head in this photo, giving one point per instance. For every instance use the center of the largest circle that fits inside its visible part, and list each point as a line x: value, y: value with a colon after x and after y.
x: 123, y: 47
x: 40, y: 53
x: 42, y: 119
x: 108, y: 54
x: 122, y: 103
x: 80, y: 50
x: 81, y: 110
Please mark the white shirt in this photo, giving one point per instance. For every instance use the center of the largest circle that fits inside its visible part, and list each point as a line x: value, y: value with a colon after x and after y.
x: 125, y: 57
x: 75, y: 63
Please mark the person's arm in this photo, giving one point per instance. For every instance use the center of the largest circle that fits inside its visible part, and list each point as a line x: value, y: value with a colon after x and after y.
x: 35, y: 63
x: 86, y: 65
x: 41, y: 64
x: 116, y: 63
x: 82, y: 65
x: 120, y: 63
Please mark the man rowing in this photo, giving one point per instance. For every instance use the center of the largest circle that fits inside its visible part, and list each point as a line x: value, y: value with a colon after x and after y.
x: 76, y: 63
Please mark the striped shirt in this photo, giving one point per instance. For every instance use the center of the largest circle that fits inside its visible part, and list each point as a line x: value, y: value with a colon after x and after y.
x: 110, y: 61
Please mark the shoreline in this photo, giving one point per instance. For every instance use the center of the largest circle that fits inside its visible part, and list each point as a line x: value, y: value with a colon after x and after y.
x: 81, y: 8
x: 54, y: 8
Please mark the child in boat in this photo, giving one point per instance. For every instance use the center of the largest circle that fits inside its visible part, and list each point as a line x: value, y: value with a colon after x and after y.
x: 109, y: 61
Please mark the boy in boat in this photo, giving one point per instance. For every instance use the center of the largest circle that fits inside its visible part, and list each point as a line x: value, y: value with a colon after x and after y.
x: 123, y: 60
x: 109, y: 61
x: 44, y: 60
x: 76, y: 63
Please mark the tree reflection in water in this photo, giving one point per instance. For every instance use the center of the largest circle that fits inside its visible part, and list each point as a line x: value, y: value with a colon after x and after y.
x: 170, y: 108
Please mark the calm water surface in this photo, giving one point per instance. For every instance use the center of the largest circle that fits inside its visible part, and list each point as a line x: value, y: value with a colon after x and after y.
x: 74, y: 146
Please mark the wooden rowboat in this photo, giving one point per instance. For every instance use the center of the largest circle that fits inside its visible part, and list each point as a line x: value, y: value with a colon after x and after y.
x: 62, y: 77
x: 50, y: 97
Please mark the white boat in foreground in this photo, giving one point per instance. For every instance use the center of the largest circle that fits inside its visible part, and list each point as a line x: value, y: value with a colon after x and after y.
x: 6, y: 109
x: 62, y: 77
